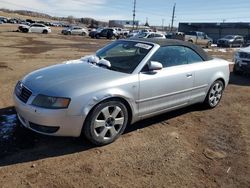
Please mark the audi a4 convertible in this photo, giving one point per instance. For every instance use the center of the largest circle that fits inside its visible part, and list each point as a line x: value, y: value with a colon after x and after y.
x: 124, y: 82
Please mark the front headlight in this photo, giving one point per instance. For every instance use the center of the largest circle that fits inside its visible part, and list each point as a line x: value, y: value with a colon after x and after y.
x: 44, y: 101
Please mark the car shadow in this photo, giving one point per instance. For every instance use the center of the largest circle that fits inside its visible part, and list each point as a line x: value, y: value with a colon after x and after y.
x: 241, y: 80
x: 18, y: 144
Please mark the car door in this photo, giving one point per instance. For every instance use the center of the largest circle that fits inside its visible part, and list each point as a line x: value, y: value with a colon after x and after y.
x: 34, y: 28
x: 104, y: 33
x: 201, y: 38
x: 168, y: 88
x: 77, y: 31
x: 239, y: 41
x: 73, y: 31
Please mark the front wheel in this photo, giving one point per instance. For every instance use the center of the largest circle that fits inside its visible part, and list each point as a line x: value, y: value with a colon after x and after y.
x: 106, y: 122
x: 214, y: 94
x: 45, y: 32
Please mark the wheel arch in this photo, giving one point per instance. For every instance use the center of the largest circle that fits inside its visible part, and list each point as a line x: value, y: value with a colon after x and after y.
x: 121, y: 99
x: 223, y: 81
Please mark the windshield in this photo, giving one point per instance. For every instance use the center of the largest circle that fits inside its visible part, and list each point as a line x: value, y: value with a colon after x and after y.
x: 141, y: 35
x: 191, y: 33
x: 229, y: 37
x: 124, y: 56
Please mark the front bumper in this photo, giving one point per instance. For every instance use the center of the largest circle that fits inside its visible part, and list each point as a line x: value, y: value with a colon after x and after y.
x: 48, y: 121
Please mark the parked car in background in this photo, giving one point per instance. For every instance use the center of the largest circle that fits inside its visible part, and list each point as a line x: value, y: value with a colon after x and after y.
x: 101, y: 33
x: 199, y: 38
x: 133, y: 33
x: 25, y: 23
x: 231, y: 41
x: 247, y: 40
x: 75, y: 30
x: 136, y: 32
x: 35, y: 28
x: 121, y: 32
x: 149, y: 35
x: 175, y: 35
x: 124, y: 82
x: 242, y: 61
x: 13, y: 21
x: 3, y: 19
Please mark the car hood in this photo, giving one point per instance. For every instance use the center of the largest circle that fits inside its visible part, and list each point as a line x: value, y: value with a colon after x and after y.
x: 247, y: 49
x: 67, y: 79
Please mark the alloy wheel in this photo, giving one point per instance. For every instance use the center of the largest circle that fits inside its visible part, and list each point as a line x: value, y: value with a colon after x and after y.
x: 215, y: 94
x: 108, y: 122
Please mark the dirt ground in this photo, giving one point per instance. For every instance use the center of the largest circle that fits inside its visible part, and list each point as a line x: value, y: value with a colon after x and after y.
x: 192, y: 147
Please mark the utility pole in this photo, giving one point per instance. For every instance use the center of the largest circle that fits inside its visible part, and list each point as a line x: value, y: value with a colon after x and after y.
x: 134, y: 14
x: 173, y: 16
x: 163, y: 24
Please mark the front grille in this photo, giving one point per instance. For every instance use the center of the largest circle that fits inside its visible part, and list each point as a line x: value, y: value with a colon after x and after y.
x: 244, y: 55
x: 22, y: 92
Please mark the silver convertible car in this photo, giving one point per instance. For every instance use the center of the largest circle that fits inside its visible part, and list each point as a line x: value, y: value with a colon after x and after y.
x: 124, y: 82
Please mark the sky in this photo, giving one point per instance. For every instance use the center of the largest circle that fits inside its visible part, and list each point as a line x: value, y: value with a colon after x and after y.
x: 157, y: 12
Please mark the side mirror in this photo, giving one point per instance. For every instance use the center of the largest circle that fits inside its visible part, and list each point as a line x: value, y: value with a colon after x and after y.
x: 154, y: 65
x: 105, y: 63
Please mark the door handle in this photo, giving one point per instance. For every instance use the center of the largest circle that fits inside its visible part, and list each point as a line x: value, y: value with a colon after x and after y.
x: 189, y: 75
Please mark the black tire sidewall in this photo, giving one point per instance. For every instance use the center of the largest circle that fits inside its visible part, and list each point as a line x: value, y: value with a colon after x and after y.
x: 88, y: 128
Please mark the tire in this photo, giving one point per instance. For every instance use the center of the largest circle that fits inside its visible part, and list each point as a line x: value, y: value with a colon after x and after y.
x: 214, y: 94
x: 25, y: 30
x: 83, y: 34
x: 68, y: 33
x: 230, y: 45
x: 190, y: 41
x: 100, y: 126
x: 209, y: 44
x: 45, y: 32
x: 97, y: 36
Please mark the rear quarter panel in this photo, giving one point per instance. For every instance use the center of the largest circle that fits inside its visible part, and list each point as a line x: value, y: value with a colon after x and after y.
x: 205, y: 74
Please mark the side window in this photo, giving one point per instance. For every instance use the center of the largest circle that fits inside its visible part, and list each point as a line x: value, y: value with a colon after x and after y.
x: 192, y: 56
x: 170, y: 56
x: 151, y: 36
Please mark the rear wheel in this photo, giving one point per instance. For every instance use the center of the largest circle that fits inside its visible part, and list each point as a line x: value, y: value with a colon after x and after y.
x: 83, y: 34
x: 214, y: 94
x: 209, y: 44
x: 106, y: 122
